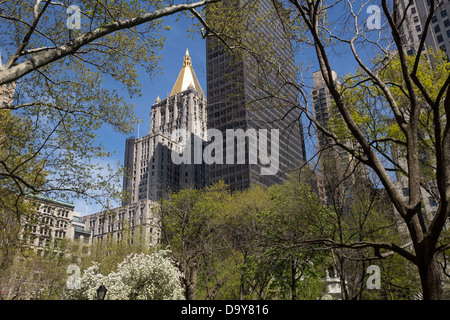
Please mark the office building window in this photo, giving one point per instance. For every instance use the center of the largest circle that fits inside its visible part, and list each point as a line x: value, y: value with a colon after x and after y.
x: 439, y: 38
x: 405, y: 192
x: 432, y: 202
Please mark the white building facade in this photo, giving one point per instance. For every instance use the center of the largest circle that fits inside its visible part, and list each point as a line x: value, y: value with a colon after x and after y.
x: 134, y: 222
x: 417, y: 13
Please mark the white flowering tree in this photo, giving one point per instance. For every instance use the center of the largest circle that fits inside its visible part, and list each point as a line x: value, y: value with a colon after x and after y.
x: 139, y: 277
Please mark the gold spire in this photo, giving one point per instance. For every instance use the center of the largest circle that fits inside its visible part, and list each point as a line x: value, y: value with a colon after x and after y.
x: 186, y: 77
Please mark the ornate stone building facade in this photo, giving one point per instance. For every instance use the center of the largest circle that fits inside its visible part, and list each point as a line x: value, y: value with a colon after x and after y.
x: 177, y: 126
x: 176, y: 122
x: 52, y: 221
x: 133, y: 222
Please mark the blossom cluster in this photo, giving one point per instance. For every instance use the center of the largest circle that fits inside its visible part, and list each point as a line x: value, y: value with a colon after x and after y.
x: 139, y: 277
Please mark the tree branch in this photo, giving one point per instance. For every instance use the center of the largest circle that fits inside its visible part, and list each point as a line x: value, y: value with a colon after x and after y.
x: 12, y: 72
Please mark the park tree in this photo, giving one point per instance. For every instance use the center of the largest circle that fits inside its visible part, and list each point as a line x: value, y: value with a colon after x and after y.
x: 327, y: 238
x: 41, y: 276
x: 48, y: 275
x: 188, y: 227
x: 298, y: 271
x: 16, y: 144
x: 58, y: 60
x: 260, y: 230
x: 408, y: 98
x: 242, y: 229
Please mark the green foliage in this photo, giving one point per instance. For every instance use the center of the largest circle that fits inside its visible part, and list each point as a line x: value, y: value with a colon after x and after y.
x: 40, y: 277
x: 264, y: 243
x: 259, y: 243
x: 371, y: 112
x: 246, y: 245
x: 18, y: 169
x: 399, y: 281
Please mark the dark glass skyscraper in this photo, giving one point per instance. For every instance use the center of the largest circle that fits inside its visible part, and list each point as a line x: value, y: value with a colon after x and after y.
x: 244, y: 94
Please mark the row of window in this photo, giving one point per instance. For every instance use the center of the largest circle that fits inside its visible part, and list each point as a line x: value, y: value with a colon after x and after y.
x: 52, y: 210
x: 50, y: 221
x: 44, y: 231
x: 437, y: 28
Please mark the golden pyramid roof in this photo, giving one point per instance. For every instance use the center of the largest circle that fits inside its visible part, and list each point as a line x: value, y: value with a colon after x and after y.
x: 186, y: 77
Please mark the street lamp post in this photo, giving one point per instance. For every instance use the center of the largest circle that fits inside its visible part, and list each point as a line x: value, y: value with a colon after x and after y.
x: 101, y: 292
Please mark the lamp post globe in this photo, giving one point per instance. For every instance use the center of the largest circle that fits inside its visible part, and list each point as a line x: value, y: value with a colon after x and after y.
x: 101, y: 292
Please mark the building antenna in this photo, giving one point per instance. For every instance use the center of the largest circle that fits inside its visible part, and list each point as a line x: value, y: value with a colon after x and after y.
x: 138, y: 130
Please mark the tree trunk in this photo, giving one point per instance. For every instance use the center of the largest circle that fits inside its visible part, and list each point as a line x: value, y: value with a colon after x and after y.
x: 430, y: 277
x: 241, y: 288
x: 293, y: 280
x: 191, y: 283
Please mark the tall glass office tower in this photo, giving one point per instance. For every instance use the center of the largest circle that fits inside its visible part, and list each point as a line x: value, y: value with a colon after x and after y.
x: 248, y: 93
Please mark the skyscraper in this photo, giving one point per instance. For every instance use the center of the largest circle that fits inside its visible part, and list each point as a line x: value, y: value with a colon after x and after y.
x: 321, y: 103
x: 338, y: 172
x: 437, y: 38
x: 238, y: 98
x: 176, y: 123
x: 417, y: 12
